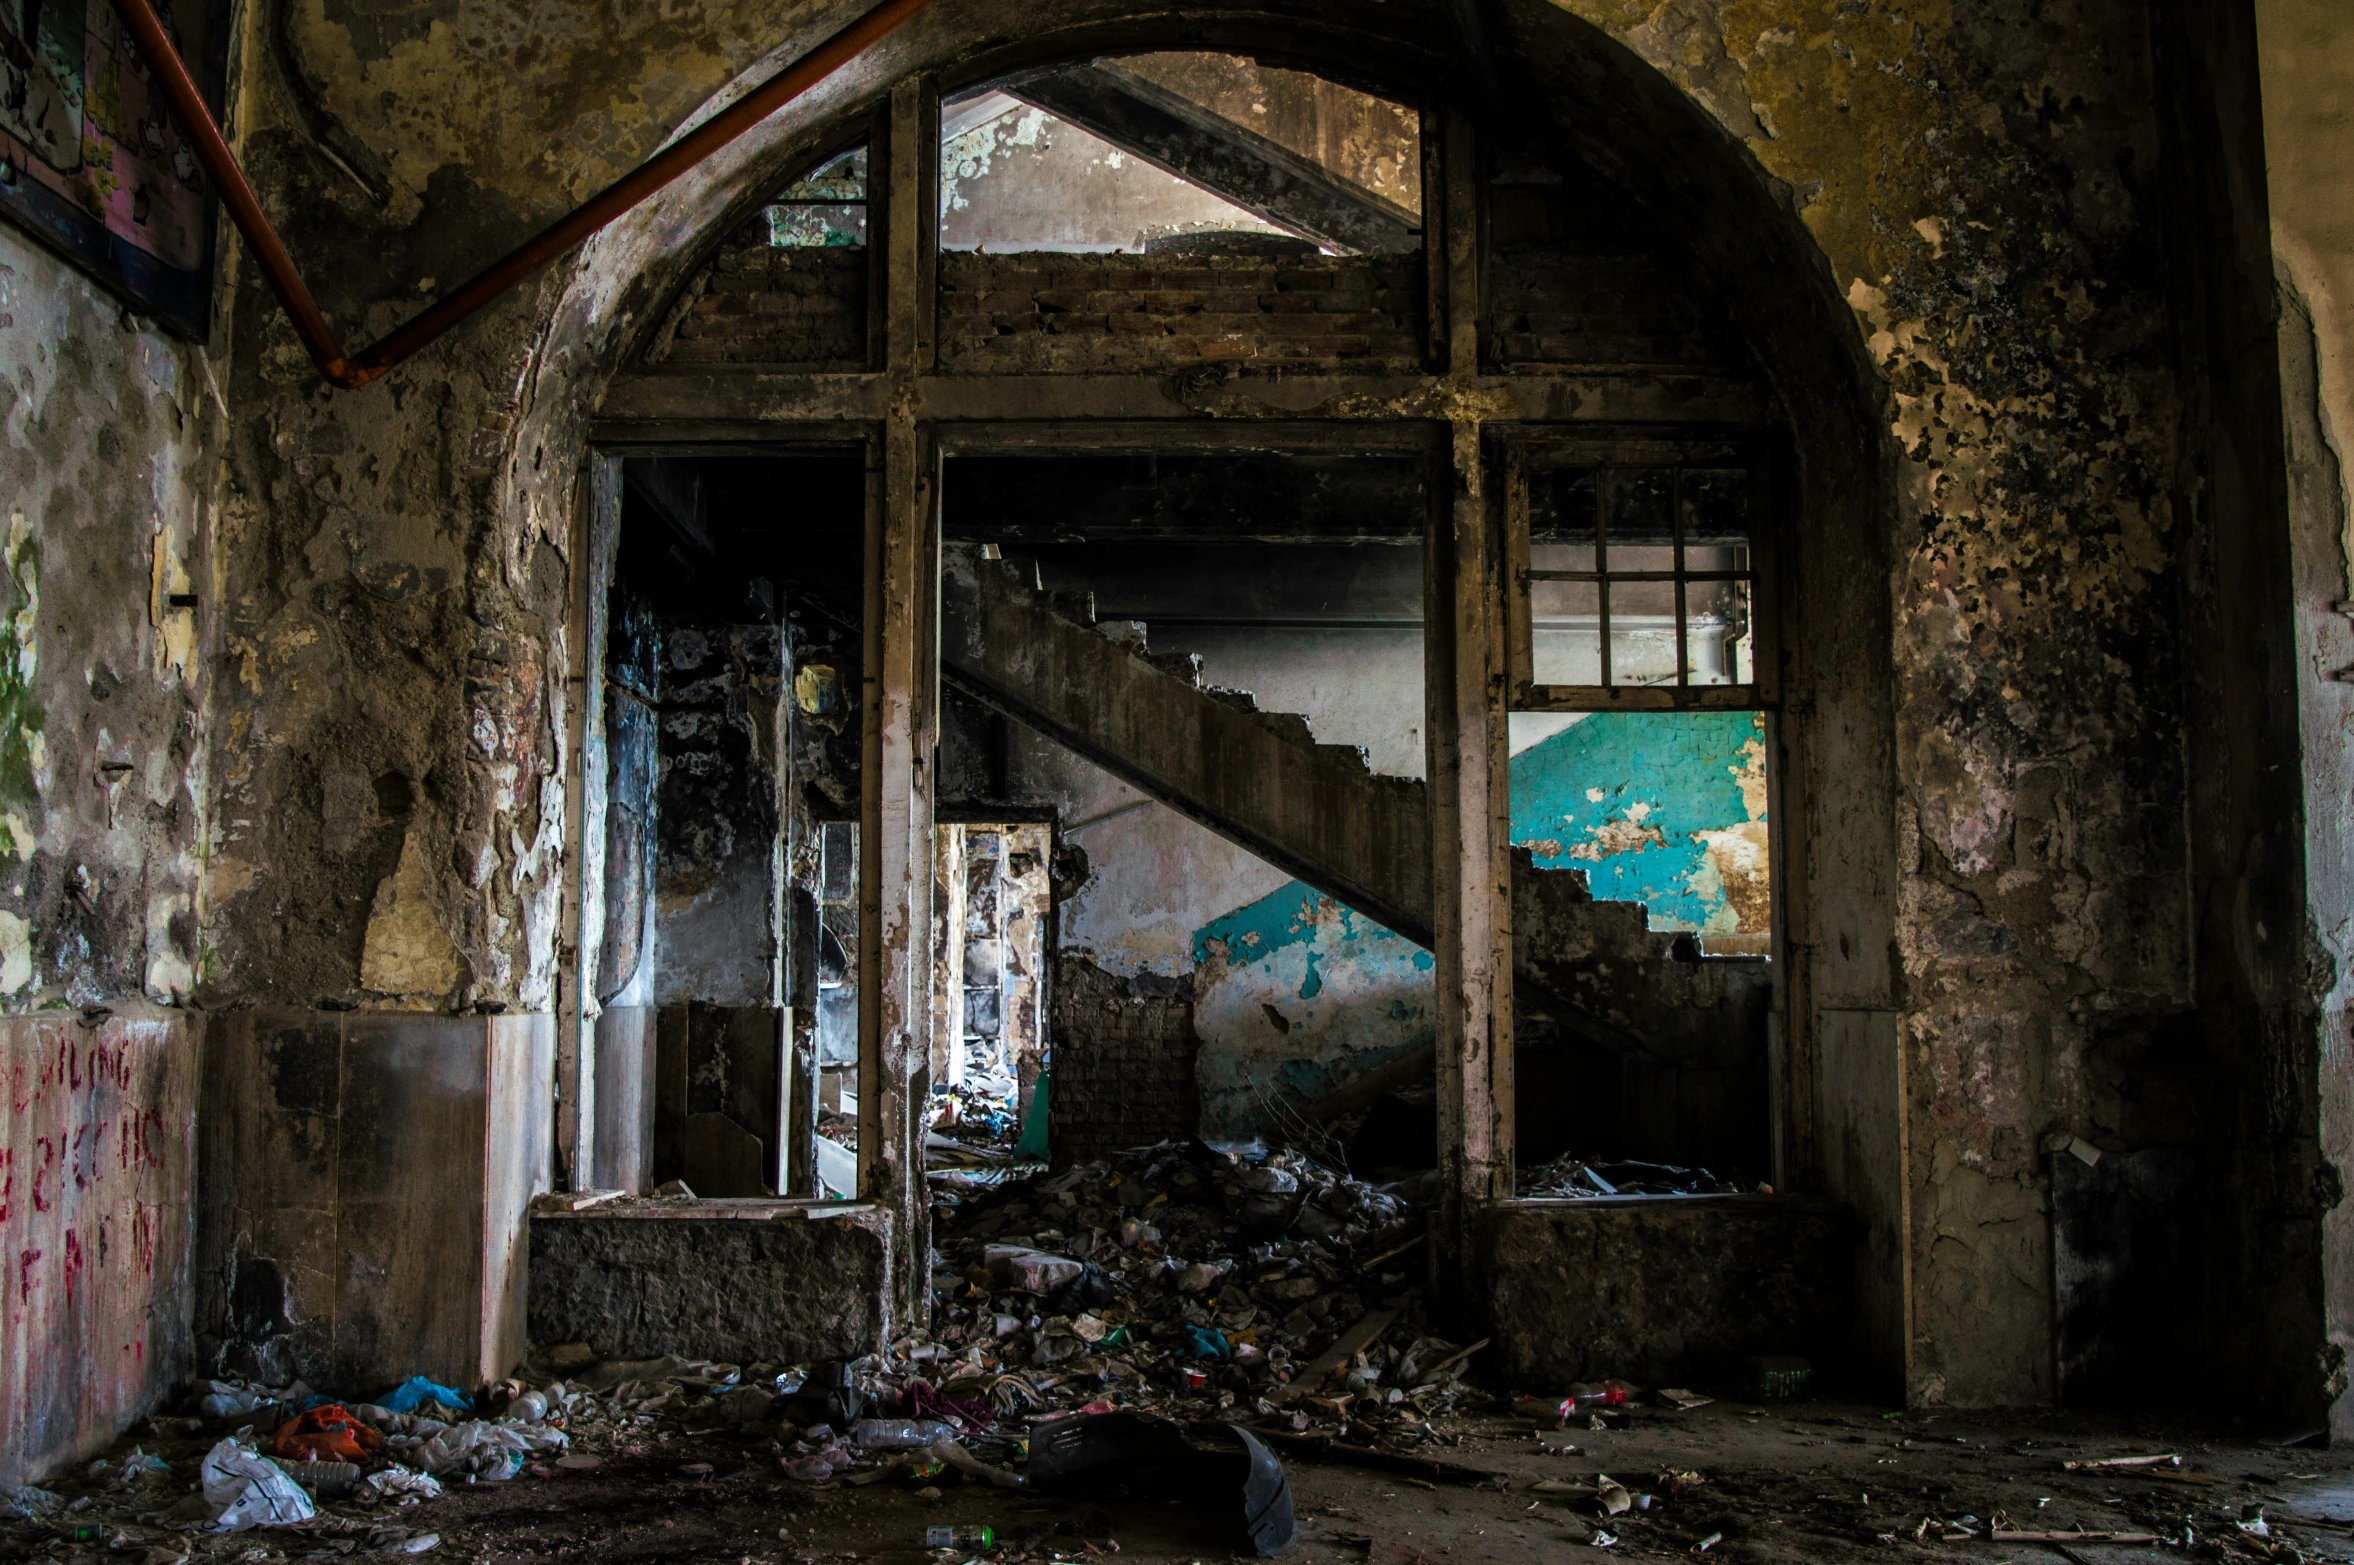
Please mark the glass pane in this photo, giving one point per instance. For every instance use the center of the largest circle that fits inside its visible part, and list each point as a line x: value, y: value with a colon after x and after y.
x: 844, y: 179
x: 815, y: 226
x: 1642, y: 631
x: 1642, y: 508
x: 1565, y: 632
x: 1716, y: 513
x: 1719, y: 646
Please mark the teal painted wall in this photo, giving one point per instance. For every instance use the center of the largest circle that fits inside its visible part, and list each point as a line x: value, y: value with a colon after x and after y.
x: 1663, y: 808
x: 1295, y: 994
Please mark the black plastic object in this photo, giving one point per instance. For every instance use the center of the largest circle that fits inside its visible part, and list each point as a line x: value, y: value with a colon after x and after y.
x: 830, y: 1395
x: 1151, y: 1458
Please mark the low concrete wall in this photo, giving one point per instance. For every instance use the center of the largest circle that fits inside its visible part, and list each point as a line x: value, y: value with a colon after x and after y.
x: 737, y: 1281
x: 97, y: 1180
x: 365, y: 1181
x: 1666, y: 1290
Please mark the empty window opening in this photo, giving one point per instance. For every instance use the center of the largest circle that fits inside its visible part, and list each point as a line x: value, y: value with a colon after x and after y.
x: 1178, y: 154
x: 824, y: 209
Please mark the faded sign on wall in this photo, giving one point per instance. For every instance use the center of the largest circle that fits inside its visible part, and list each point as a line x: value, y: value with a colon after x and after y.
x: 91, y: 159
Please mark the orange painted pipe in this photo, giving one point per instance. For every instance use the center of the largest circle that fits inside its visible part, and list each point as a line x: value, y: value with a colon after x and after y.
x: 269, y: 252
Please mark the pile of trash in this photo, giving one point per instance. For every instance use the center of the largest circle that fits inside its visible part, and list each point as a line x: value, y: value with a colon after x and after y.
x: 1202, y: 1281
x: 1572, y: 1176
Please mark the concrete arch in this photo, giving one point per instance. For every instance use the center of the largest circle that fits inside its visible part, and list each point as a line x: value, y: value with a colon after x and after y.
x: 1570, y: 84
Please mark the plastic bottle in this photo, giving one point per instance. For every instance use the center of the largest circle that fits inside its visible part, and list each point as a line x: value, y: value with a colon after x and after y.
x: 959, y: 1538
x: 899, y: 1434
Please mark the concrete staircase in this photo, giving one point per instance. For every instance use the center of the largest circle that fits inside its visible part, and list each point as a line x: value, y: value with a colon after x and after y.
x: 1315, y: 811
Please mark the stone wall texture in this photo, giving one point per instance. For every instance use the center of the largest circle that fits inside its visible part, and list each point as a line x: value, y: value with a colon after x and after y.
x: 1672, y: 1291
x: 737, y: 1282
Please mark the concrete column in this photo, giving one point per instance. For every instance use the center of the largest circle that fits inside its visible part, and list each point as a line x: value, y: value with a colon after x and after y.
x: 1469, y: 793
x: 595, y: 537
x: 901, y: 678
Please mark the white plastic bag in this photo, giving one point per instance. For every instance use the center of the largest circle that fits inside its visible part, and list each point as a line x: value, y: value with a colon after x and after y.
x: 247, y: 1490
x: 490, y: 1451
x: 398, y: 1480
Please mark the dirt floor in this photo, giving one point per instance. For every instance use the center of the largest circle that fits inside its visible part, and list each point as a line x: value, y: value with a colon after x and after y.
x: 1815, y: 1481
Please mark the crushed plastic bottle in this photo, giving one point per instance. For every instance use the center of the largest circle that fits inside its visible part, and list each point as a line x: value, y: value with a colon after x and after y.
x: 899, y: 1434
x: 959, y: 1538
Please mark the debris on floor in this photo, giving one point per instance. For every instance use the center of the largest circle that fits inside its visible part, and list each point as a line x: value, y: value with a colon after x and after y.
x: 1236, y: 1330
x: 1578, y: 1177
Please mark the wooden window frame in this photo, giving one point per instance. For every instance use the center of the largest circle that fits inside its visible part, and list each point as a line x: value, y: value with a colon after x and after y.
x: 1524, y: 451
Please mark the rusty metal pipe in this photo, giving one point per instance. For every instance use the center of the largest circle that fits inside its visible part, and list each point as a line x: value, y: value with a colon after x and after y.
x: 245, y: 209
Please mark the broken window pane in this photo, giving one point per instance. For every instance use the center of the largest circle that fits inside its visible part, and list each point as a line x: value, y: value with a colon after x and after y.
x: 826, y: 208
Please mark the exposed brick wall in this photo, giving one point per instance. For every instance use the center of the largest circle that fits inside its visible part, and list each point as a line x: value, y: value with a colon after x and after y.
x: 1117, y: 313
x: 1556, y: 305
x: 757, y: 303
x: 1123, y: 1060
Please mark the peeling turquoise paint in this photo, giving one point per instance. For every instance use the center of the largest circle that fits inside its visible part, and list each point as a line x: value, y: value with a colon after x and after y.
x: 1662, y: 808
x: 1352, y: 995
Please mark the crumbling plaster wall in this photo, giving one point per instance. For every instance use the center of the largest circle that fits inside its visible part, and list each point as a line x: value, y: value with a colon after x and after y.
x: 1976, y: 180
x: 2305, y: 50
x: 108, y: 430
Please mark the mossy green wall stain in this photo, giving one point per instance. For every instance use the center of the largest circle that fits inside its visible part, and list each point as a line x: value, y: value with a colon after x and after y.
x: 21, y: 717
x: 1638, y: 800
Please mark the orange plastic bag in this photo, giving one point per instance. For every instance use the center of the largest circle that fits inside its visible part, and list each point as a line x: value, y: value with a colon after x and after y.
x: 327, y: 1433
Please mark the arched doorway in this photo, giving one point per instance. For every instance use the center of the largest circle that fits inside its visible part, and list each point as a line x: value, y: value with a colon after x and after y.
x: 1474, y: 359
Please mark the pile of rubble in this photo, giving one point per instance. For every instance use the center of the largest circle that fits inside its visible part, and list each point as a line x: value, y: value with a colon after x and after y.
x: 1239, y: 1284
x: 1578, y: 1177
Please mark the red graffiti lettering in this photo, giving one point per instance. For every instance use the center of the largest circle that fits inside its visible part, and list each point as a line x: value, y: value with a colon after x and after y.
x: 143, y: 1236
x: 73, y: 1265
x: 74, y: 1158
x: 24, y: 1273
x: 7, y: 1182
x: 48, y: 1160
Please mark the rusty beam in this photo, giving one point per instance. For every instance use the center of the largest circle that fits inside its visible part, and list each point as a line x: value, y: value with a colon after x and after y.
x: 679, y: 158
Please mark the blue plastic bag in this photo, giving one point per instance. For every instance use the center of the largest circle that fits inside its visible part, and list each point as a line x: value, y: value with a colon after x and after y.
x: 417, y: 1391
x: 1206, y: 1342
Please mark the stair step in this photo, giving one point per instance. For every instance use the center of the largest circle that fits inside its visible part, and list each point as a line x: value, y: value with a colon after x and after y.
x: 1186, y: 666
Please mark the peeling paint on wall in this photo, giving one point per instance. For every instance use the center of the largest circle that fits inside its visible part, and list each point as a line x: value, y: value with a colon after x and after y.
x: 1665, y: 809
x: 1294, y: 995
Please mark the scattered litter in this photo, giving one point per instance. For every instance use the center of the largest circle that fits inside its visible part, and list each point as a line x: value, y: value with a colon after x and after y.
x: 396, y: 1481
x: 32, y: 1503
x: 977, y: 1539
x: 417, y: 1394
x: 1777, y: 1377
x: 579, y: 1462
x: 2123, y: 1463
x: 2004, y: 1535
x: 244, y: 1489
x: 327, y: 1433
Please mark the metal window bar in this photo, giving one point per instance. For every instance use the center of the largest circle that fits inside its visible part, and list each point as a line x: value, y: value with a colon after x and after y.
x: 1603, y: 576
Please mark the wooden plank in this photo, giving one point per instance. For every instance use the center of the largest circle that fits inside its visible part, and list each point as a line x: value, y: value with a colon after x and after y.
x: 1344, y: 1348
x: 717, y: 408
